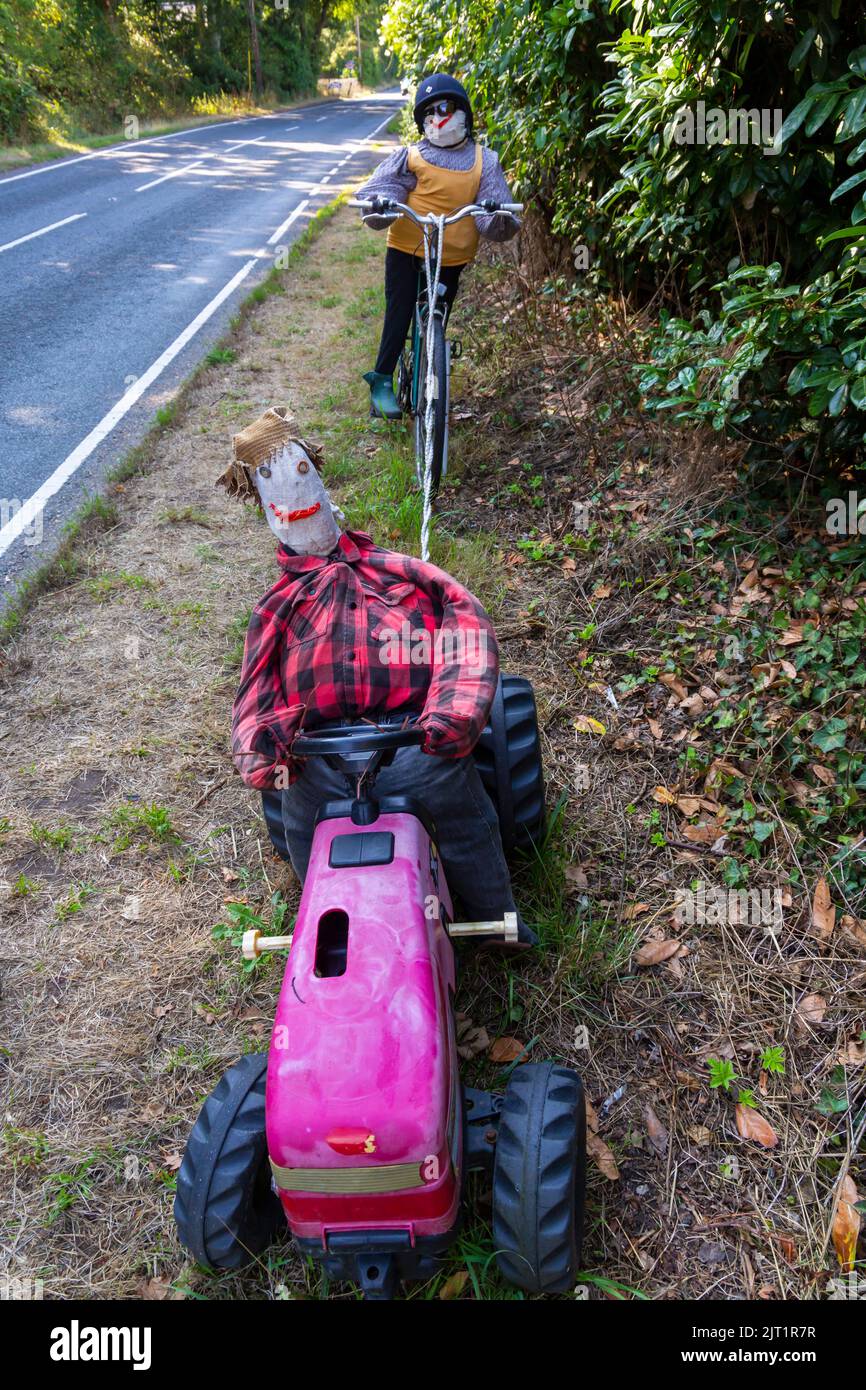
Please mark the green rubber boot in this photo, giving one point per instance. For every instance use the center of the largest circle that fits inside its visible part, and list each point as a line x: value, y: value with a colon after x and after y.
x: 383, y: 402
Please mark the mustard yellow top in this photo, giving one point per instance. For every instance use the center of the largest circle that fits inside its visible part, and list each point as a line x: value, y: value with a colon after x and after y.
x: 440, y: 190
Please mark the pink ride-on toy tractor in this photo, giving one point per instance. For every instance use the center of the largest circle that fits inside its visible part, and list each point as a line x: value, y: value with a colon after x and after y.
x: 354, y: 1127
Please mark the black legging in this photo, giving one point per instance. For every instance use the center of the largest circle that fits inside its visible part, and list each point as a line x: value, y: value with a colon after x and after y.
x: 401, y: 293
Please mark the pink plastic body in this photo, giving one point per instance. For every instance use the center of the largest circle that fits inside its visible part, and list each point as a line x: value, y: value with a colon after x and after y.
x: 362, y: 1070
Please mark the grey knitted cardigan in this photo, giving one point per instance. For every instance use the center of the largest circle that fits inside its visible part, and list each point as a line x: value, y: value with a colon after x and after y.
x: 392, y: 179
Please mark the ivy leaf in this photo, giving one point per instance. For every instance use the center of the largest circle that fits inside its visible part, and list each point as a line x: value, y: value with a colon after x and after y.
x: 831, y: 736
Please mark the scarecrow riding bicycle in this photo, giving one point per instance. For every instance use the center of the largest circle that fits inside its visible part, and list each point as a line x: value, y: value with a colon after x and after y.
x: 436, y: 198
x: 424, y: 369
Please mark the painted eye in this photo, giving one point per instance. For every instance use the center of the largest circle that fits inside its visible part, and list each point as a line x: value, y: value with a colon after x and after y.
x: 264, y: 471
x: 303, y: 466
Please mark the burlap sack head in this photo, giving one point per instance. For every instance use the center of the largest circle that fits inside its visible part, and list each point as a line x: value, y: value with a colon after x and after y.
x: 281, y: 474
x: 254, y: 445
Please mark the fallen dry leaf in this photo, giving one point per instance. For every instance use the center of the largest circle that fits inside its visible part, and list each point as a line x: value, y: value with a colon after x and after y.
x: 791, y: 637
x: 673, y: 683
x: 585, y: 725
x: 471, y: 1040
x: 752, y: 1125
x: 704, y: 834
x: 823, y: 911
x: 823, y: 774
x: 689, y: 805
x: 809, y: 1011
x: 505, y: 1049
x: 853, y: 1054
x: 854, y: 928
x: 575, y: 875
x: 700, y: 1135
x: 656, y: 1132
x: 846, y: 1224
x: 454, y: 1284
x: 655, y: 728
x: 601, y: 1156
x: 654, y: 952
x: 157, y: 1289
x: 632, y: 910
x: 664, y: 797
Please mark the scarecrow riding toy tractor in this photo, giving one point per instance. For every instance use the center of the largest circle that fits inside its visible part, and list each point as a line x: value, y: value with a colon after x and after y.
x: 354, y: 1127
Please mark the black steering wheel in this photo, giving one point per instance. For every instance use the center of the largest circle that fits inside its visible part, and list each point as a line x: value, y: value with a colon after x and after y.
x: 355, y: 740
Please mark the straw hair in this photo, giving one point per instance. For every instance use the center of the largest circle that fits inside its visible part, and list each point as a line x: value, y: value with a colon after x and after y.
x: 256, y: 444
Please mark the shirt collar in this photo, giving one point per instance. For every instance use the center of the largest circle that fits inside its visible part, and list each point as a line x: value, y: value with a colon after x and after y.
x: 348, y: 549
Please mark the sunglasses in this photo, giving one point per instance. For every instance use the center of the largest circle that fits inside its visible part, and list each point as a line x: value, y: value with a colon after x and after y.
x: 440, y: 108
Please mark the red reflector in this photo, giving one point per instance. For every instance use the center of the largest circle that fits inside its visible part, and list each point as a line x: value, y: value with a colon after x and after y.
x: 351, y: 1141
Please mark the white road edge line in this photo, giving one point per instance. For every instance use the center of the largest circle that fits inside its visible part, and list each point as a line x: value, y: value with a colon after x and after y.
x: 42, y: 230
x: 284, y: 226
x: 176, y: 173
x: 64, y: 471
x: 31, y: 508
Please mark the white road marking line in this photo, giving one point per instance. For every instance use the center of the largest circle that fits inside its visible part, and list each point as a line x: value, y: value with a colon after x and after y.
x: 127, y: 146
x: 176, y: 173
x: 31, y: 508
x: 320, y: 118
x: 291, y: 127
x: 42, y: 230
x: 52, y: 485
x: 284, y: 226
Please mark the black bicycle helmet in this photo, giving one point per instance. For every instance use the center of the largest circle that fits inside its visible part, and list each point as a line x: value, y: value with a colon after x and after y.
x: 434, y: 88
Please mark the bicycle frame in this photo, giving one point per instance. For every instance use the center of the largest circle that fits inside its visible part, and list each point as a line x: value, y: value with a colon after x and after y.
x: 429, y: 225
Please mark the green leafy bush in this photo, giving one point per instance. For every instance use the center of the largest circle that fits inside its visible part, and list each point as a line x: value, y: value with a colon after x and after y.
x: 754, y: 248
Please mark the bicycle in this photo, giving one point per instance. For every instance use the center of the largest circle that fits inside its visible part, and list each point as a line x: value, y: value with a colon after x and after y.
x: 424, y: 370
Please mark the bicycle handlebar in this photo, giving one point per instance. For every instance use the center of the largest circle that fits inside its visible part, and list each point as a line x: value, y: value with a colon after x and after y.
x: 381, y: 206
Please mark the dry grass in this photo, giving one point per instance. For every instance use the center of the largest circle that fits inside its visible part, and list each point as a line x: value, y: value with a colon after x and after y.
x: 127, y: 830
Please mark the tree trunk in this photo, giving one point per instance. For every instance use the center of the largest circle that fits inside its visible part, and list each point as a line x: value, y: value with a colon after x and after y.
x: 254, y: 43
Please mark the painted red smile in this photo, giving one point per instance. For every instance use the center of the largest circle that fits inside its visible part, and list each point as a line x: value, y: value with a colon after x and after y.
x: 295, y: 516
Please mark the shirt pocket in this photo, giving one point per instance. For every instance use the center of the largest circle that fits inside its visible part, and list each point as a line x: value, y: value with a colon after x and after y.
x: 312, y: 615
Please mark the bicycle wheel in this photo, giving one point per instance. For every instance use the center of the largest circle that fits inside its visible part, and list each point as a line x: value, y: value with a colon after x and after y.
x: 439, y: 393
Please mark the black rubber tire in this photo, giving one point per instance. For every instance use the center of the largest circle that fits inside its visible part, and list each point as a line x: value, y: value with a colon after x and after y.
x: 539, y: 1178
x: 225, y: 1208
x: 508, y: 757
x: 440, y: 407
x: 272, y: 806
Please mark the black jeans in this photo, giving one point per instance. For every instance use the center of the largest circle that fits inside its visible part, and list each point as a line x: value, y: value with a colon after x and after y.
x: 451, y: 790
x: 401, y: 294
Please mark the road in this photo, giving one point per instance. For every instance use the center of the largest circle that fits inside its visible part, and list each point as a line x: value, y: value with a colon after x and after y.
x: 121, y: 268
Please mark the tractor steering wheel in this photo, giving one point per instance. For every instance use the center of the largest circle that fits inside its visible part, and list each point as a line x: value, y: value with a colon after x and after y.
x: 354, y: 740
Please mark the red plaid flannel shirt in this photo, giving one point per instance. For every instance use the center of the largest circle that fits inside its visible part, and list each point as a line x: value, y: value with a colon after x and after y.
x: 361, y: 632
